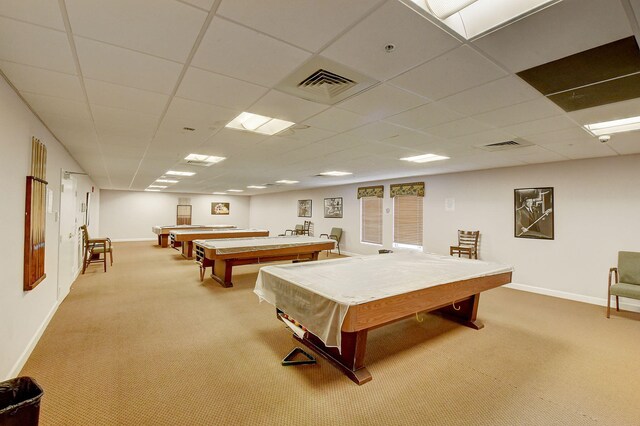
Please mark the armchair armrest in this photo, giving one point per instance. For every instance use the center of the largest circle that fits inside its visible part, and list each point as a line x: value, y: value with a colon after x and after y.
x: 613, y: 271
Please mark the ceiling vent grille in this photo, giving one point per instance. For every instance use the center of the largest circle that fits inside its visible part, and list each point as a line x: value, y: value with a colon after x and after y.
x: 502, y: 146
x: 324, y: 81
x: 327, y: 83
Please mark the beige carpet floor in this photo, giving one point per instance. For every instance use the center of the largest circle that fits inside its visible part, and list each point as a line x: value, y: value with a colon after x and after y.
x: 147, y: 344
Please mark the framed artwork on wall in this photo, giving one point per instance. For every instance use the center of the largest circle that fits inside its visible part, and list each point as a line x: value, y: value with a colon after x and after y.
x: 304, y: 208
x: 219, y: 208
x: 333, y: 207
x: 533, y: 213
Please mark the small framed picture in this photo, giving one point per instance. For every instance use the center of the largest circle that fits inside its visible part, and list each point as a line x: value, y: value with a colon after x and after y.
x: 218, y: 208
x: 333, y: 207
x: 304, y: 208
x: 533, y: 213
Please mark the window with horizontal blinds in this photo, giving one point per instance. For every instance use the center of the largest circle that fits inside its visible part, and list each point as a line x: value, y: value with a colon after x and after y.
x: 407, y: 220
x: 371, y: 220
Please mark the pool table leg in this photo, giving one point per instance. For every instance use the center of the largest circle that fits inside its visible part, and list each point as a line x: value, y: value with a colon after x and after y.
x: 187, y: 249
x: 164, y: 240
x: 222, y: 270
x: 350, y: 360
x: 465, y: 312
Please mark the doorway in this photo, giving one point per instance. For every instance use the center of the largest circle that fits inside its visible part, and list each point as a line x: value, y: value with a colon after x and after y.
x: 68, y: 258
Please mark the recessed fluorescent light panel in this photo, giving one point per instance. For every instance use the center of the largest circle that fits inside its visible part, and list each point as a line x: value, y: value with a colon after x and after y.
x: 219, y: 193
x: 614, y: 126
x: 259, y: 124
x: 336, y: 173
x: 425, y: 158
x: 212, y: 159
x: 288, y: 182
x: 152, y: 190
x: 475, y: 18
x: 235, y: 190
x: 176, y: 173
x: 167, y: 181
x: 157, y: 186
x: 256, y: 187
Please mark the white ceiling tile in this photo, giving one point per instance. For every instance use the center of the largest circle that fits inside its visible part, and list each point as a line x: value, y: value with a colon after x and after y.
x: 382, y: 101
x: 39, y: 12
x: 116, y: 96
x: 120, y: 123
x: 496, y: 94
x: 303, y: 134
x: 202, y: 4
x: 309, y: 25
x: 57, y: 106
x: 186, y: 113
x: 540, y: 126
x: 615, y: 111
x: 560, y: 136
x: 379, y: 131
x: 481, y: 138
x: 415, y: 140
x: 520, y: 113
x: 626, y: 143
x: 450, y: 73
x: 568, y: 27
x: 286, y: 107
x: 116, y: 65
x: 162, y: 28
x: 122, y: 150
x: 36, y: 46
x: 337, y: 120
x: 239, y: 52
x: 43, y: 82
x: 581, y: 148
x: 216, y: 89
x: 424, y: 116
x: 236, y: 138
x: 416, y: 41
x: 453, y: 129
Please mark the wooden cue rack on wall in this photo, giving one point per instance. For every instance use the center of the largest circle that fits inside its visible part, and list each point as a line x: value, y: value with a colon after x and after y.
x: 35, y: 217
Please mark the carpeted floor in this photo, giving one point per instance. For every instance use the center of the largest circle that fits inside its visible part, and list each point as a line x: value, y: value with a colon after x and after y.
x: 148, y: 344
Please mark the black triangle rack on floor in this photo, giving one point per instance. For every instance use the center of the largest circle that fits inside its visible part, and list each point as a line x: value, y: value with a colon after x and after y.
x: 288, y: 360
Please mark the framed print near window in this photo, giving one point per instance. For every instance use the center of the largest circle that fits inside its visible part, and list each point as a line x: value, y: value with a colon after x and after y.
x: 533, y: 213
x: 304, y: 208
x: 333, y: 207
x: 219, y: 208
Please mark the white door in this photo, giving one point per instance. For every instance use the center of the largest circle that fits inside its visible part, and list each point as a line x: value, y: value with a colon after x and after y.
x: 68, y: 249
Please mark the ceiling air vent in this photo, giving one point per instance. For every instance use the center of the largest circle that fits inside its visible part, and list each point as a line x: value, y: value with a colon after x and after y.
x: 324, y: 81
x: 197, y: 163
x: 502, y: 146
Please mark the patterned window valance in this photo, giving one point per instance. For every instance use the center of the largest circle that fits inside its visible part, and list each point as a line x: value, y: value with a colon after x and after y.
x: 371, y: 191
x: 415, y: 188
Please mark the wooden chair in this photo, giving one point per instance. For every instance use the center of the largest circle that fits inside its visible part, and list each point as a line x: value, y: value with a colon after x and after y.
x: 627, y: 278
x: 296, y: 231
x: 306, y: 228
x: 93, y: 248
x: 336, y: 235
x: 467, y: 244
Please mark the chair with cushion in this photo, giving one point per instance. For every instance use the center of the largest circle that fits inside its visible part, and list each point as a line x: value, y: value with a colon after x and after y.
x: 93, y: 248
x: 336, y: 235
x: 467, y: 244
x: 626, y: 278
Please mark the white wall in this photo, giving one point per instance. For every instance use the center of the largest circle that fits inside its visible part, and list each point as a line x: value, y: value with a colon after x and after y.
x: 23, y: 315
x: 130, y: 215
x: 597, y: 206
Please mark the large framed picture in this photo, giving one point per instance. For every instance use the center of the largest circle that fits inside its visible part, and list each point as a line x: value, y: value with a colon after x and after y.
x: 304, y: 208
x: 333, y: 207
x: 219, y: 208
x: 533, y: 213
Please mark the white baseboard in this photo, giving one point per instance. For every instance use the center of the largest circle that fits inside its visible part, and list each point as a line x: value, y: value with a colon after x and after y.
x: 22, y: 360
x: 572, y: 296
x: 126, y: 240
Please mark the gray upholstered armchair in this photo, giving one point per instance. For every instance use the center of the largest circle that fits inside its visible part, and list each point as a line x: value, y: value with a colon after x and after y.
x: 626, y: 276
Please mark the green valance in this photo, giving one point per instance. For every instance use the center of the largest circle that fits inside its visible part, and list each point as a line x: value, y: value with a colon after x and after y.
x: 414, y: 188
x: 371, y: 191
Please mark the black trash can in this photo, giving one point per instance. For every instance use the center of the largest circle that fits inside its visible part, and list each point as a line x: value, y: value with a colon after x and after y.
x: 384, y: 251
x: 20, y: 402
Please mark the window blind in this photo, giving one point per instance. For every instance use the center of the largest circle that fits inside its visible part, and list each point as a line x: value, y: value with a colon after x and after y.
x: 371, y: 221
x: 407, y: 220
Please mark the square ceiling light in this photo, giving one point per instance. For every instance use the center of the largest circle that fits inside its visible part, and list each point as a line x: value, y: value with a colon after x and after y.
x: 204, y: 160
x: 256, y: 187
x: 235, y: 190
x: 614, y: 126
x: 336, y: 173
x: 425, y: 158
x: 157, y: 186
x: 474, y: 18
x: 219, y: 193
x: 287, y: 182
x: 167, y: 181
x: 259, y: 124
